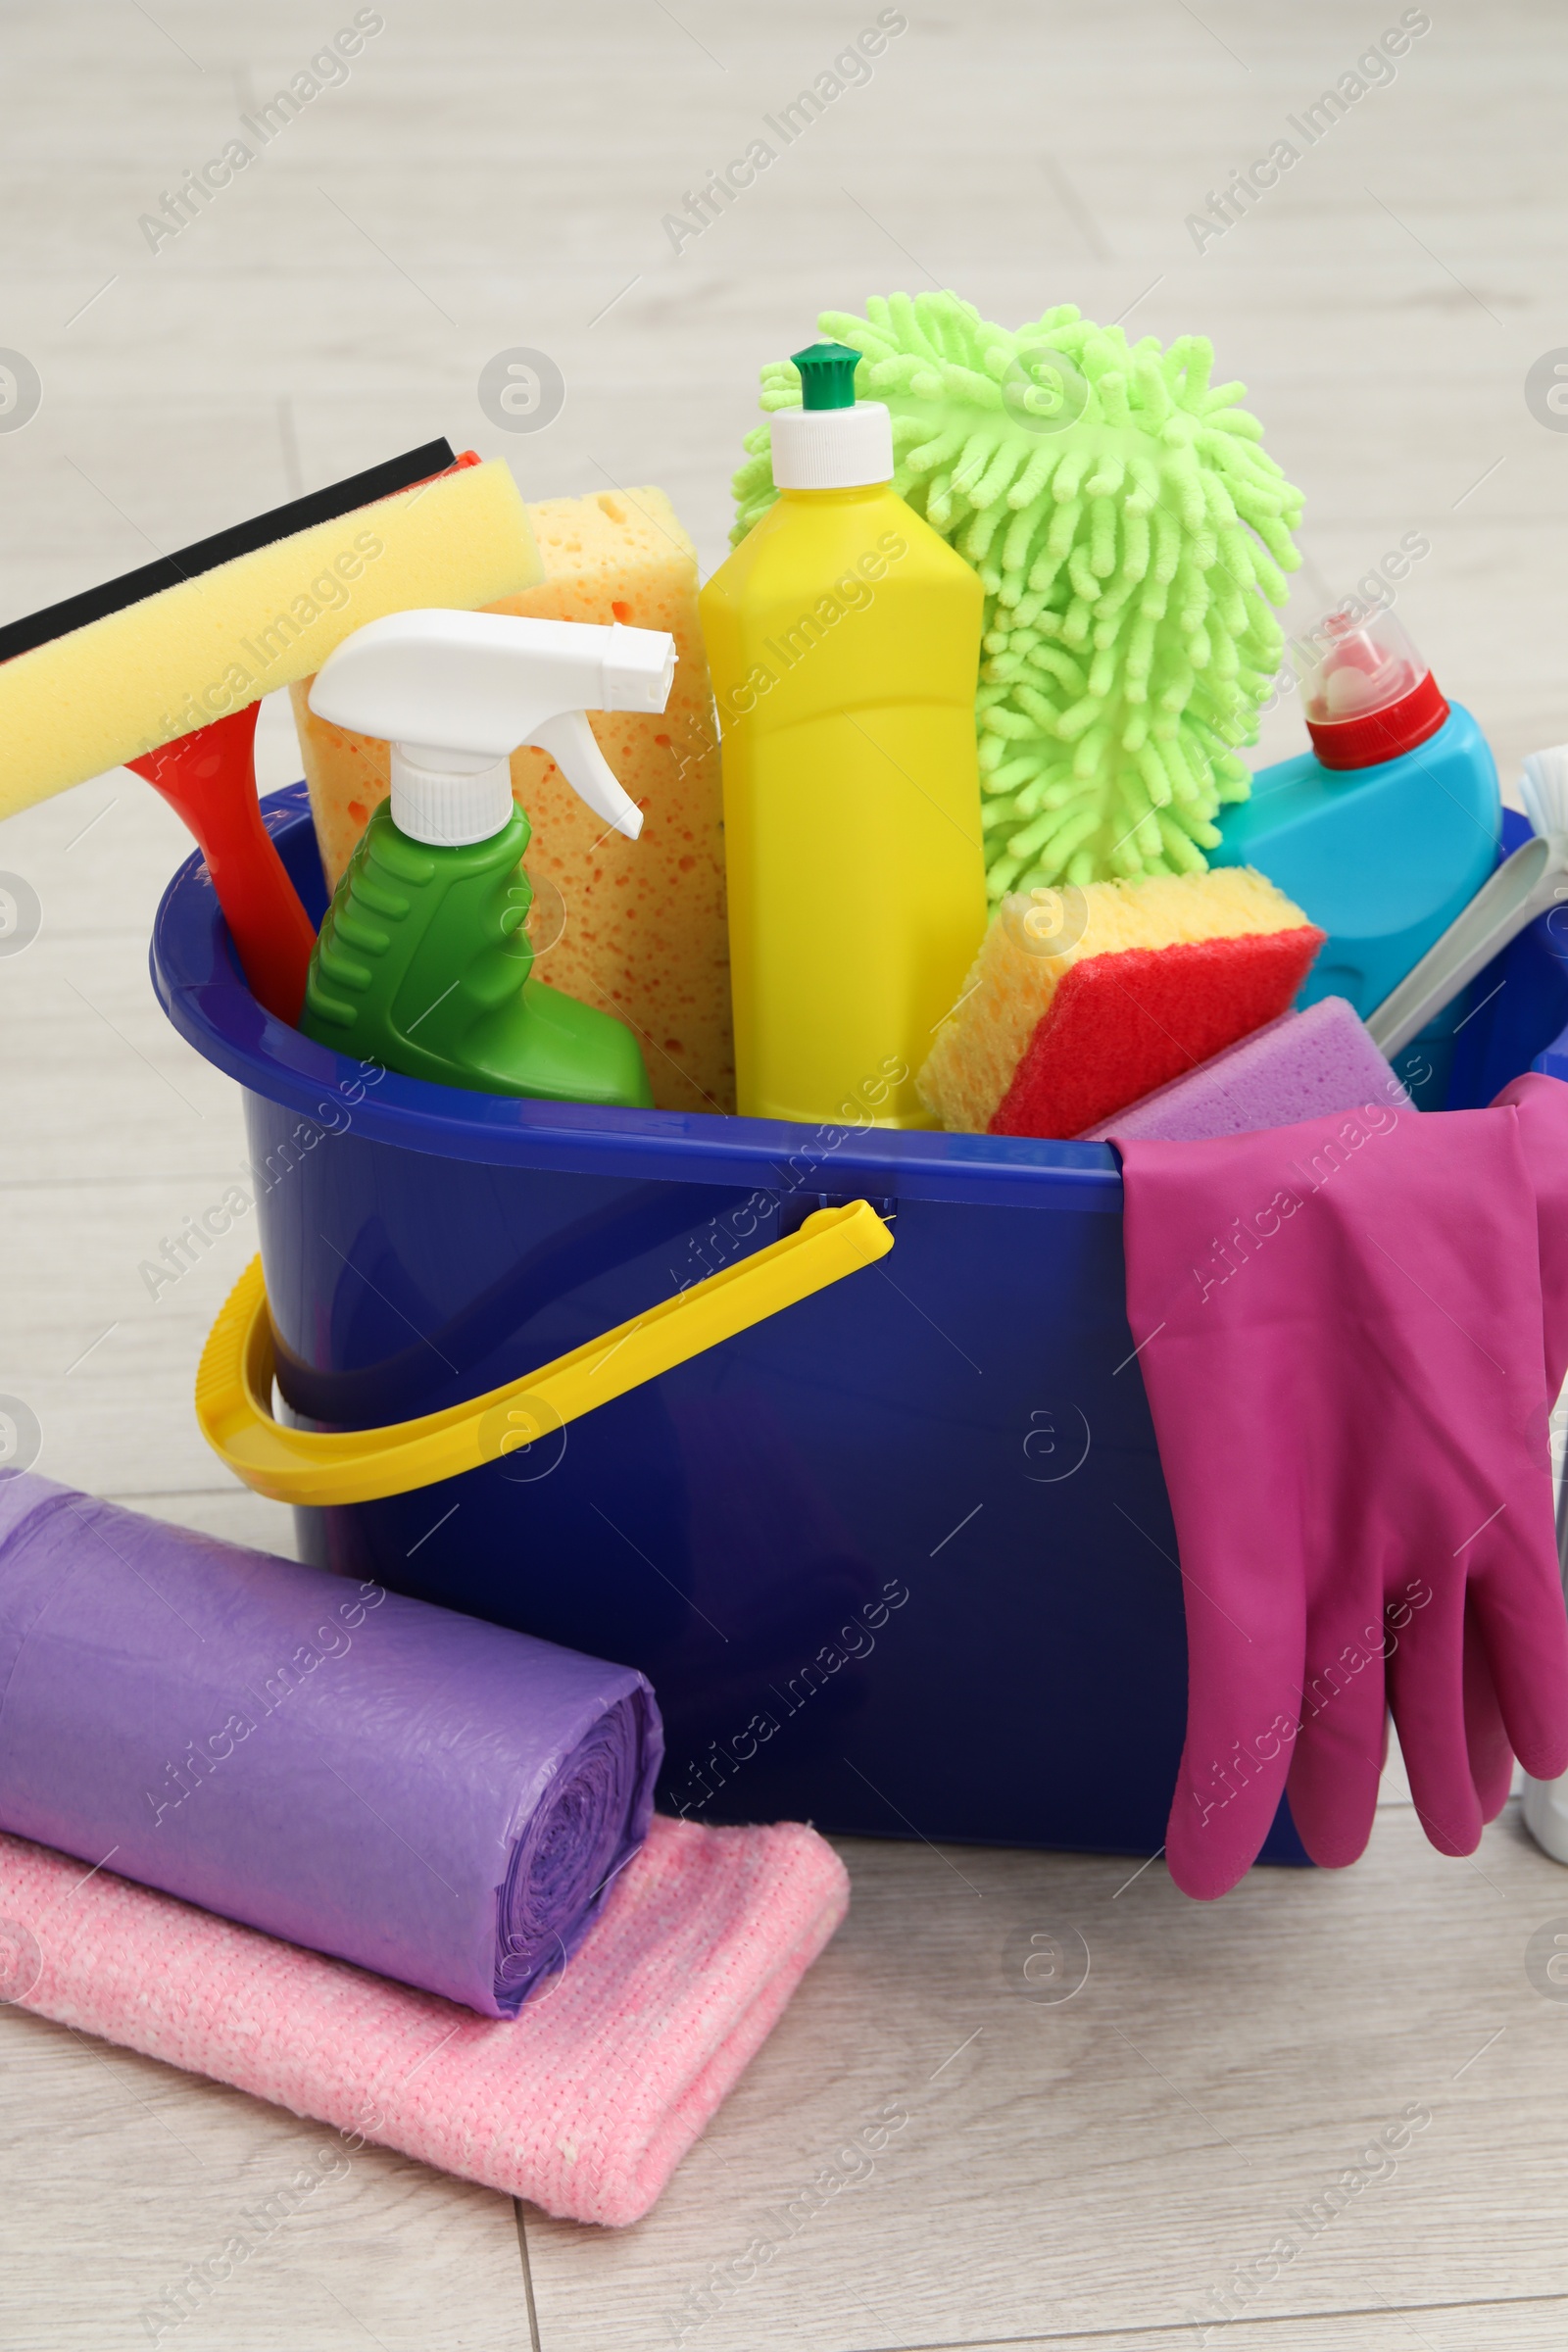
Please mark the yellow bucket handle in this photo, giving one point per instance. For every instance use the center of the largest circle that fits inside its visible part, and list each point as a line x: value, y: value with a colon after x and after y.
x: 234, y: 1380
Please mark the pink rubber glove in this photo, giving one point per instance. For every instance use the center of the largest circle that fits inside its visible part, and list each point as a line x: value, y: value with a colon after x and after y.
x: 1348, y: 1329
x: 1541, y: 1105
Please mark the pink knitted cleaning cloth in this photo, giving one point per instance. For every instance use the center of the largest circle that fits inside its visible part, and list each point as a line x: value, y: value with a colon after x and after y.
x: 585, y: 2104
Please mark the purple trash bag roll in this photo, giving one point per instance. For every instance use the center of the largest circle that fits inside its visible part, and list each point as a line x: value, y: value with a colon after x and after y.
x: 440, y: 1801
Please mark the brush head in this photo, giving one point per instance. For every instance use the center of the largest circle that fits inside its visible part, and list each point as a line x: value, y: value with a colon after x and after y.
x: 1543, y: 789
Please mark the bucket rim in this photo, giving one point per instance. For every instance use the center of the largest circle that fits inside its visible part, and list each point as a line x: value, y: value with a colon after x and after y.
x: 197, y: 980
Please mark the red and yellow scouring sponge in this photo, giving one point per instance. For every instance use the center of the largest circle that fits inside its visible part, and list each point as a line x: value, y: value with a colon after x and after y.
x: 1083, y: 999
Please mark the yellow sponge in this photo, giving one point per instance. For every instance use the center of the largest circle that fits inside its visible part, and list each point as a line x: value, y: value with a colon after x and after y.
x: 645, y: 935
x: 121, y: 686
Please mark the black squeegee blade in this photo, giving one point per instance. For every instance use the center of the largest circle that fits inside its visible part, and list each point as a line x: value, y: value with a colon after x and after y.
x: 240, y: 539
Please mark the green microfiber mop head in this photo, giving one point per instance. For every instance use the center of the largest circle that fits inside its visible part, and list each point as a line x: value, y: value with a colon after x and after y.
x: 1131, y: 535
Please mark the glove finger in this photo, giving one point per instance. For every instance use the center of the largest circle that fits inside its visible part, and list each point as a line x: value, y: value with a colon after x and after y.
x: 1228, y: 1790
x: 1515, y: 1598
x: 1486, y: 1735
x: 1426, y: 1683
x: 1340, y: 1751
x: 1243, y: 1664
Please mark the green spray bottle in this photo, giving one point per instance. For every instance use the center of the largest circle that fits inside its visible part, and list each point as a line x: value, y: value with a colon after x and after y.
x: 424, y: 962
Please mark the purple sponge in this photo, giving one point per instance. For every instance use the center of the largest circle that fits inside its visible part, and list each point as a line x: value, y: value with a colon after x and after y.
x: 1297, y: 1067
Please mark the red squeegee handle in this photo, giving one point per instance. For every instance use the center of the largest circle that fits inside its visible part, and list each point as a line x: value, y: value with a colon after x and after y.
x: 208, y: 779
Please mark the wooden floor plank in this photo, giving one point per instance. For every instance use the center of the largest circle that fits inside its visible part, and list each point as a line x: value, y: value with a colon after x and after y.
x: 141, y: 2206
x: 1181, y: 2142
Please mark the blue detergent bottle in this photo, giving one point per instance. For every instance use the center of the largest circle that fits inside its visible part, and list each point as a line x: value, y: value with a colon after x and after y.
x: 1383, y: 831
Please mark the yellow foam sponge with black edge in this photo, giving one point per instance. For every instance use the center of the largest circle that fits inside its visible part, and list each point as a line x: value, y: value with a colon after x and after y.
x: 126, y: 683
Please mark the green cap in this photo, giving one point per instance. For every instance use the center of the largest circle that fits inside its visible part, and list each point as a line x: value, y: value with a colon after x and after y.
x: 827, y: 374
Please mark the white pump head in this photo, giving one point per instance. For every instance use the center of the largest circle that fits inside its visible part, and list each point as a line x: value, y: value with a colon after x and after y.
x: 455, y: 694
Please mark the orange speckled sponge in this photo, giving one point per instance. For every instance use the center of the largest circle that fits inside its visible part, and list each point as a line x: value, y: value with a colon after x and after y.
x: 644, y: 933
x: 1085, y: 1000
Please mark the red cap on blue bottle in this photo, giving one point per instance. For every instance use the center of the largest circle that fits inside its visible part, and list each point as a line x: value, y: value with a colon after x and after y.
x: 1369, y: 696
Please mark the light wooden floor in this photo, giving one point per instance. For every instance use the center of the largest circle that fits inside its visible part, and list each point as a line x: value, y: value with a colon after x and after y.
x: 1117, y: 2170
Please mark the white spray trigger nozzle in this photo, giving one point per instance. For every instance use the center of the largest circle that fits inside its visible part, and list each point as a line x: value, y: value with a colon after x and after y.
x: 457, y: 693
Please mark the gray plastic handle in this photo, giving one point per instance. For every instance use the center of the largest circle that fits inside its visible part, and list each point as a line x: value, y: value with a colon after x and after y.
x: 1524, y: 886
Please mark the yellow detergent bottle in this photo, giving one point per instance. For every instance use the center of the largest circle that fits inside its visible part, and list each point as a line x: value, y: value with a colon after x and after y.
x: 843, y: 640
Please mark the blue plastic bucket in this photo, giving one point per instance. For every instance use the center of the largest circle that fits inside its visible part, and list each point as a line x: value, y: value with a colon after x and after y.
x: 900, y: 1559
